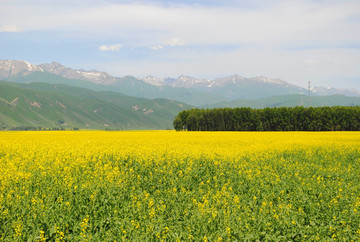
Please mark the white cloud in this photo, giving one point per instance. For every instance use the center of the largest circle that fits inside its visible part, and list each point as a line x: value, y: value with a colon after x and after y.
x: 9, y: 28
x: 172, y: 43
x: 175, y: 42
x: 277, y: 24
x: 157, y: 47
x: 115, y: 47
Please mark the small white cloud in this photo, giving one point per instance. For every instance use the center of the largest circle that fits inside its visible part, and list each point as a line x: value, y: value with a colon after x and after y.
x: 175, y: 42
x: 9, y: 28
x: 157, y: 47
x: 115, y: 47
x: 172, y: 43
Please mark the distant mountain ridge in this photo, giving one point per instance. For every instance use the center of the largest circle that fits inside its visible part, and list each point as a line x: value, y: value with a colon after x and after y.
x: 325, y: 91
x: 9, y: 68
x: 24, y: 72
x: 192, y: 82
x: 93, y: 76
x: 291, y: 100
x: 186, y: 89
x: 238, y: 81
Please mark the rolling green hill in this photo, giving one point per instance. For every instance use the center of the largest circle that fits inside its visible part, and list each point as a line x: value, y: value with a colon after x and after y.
x: 290, y: 101
x: 64, y: 106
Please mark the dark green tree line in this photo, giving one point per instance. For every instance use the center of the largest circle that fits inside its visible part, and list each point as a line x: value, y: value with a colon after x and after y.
x: 270, y: 119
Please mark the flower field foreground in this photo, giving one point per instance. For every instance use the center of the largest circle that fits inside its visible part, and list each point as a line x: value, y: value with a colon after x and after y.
x: 154, y: 185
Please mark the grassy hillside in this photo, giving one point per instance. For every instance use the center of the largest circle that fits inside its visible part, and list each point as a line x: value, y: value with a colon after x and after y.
x: 63, y: 106
x: 290, y: 101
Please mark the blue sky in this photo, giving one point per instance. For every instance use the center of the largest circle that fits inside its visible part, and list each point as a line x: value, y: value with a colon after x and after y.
x: 293, y: 40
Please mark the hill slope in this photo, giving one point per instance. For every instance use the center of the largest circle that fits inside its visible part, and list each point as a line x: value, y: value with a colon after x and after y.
x: 290, y: 101
x: 58, y: 105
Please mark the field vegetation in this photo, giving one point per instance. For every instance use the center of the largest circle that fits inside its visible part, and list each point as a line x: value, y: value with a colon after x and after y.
x: 187, y: 186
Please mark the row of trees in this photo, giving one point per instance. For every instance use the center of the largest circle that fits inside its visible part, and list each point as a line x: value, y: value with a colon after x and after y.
x: 270, y: 119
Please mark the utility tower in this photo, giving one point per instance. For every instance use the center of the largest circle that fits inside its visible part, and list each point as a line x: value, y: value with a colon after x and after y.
x: 309, y: 85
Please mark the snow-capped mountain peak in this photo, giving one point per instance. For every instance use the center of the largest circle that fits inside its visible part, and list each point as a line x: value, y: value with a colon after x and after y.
x: 269, y: 80
x: 325, y: 91
x: 230, y: 80
x: 31, y: 67
x: 53, y: 67
x: 154, y: 81
x: 14, y: 67
x: 190, y: 82
x: 92, y: 75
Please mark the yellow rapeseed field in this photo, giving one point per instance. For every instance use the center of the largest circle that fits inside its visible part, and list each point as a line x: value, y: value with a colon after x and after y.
x: 167, y: 185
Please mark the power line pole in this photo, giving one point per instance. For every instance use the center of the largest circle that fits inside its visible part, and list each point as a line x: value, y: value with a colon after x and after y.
x: 309, y: 84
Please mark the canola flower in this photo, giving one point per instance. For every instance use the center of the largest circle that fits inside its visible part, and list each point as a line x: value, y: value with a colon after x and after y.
x: 192, y: 186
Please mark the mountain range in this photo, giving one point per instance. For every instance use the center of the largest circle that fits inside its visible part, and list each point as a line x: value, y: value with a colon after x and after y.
x: 290, y: 100
x: 54, y: 96
x: 191, y: 90
x: 232, y: 87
